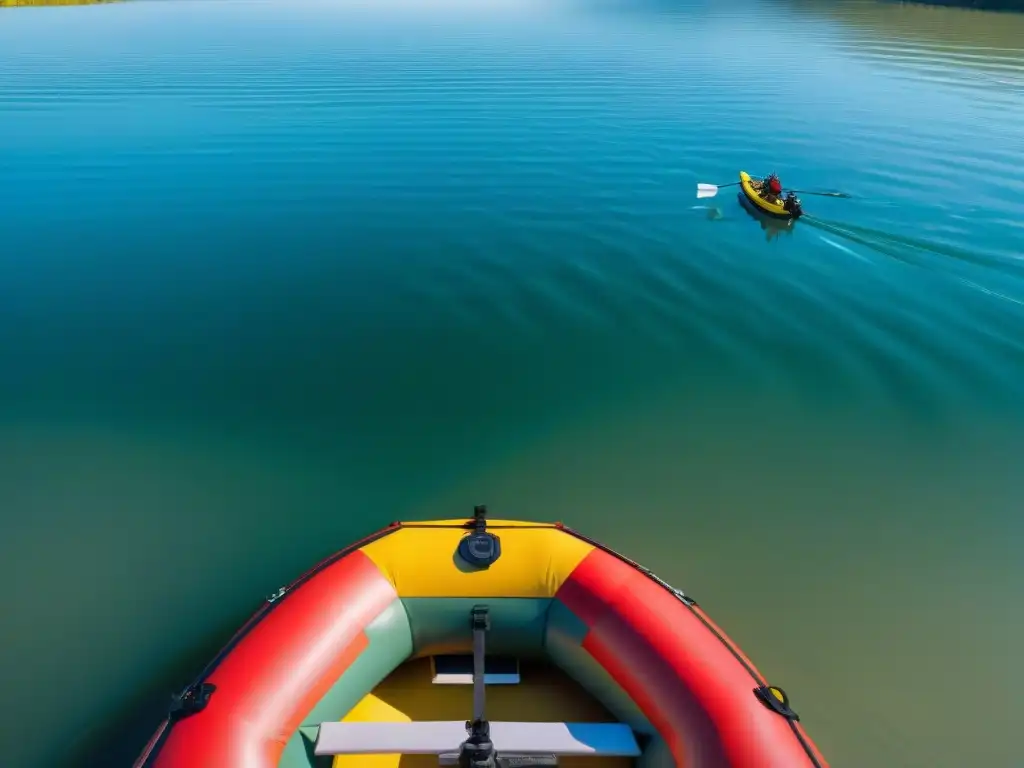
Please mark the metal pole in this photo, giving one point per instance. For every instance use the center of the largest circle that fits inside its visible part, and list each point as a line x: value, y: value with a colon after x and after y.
x: 481, y: 623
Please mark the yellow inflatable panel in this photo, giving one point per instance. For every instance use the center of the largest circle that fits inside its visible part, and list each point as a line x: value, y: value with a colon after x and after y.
x: 420, y: 560
x: 372, y: 710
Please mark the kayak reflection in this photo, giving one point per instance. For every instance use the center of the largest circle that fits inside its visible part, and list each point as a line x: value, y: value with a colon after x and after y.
x: 771, y: 225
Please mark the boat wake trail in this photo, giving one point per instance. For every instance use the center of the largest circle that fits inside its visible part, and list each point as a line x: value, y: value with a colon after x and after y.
x: 841, y: 247
x: 910, y: 250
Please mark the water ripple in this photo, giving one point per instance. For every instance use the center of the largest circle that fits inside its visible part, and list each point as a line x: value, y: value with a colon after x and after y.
x: 566, y: 130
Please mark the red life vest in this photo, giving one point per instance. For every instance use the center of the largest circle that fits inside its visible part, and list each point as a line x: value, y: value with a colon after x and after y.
x: 774, y: 186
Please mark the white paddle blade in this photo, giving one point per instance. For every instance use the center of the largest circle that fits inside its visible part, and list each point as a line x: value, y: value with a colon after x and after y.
x: 706, y: 190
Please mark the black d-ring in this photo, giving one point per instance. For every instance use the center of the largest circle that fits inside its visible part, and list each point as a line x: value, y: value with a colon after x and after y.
x: 191, y: 700
x: 776, y: 700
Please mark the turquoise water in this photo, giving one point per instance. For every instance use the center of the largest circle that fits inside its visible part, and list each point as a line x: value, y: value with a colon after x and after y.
x: 274, y: 274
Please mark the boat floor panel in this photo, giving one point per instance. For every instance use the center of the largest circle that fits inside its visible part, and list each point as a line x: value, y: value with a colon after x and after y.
x: 544, y: 694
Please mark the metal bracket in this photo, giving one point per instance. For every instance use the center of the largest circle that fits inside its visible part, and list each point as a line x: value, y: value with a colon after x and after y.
x: 277, y: 595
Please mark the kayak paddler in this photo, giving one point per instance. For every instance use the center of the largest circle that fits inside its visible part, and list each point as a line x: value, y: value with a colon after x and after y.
x: 771, y: 188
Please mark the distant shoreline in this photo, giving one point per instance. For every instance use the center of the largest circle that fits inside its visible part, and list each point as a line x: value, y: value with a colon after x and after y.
x: 26, y: 3
x: 978, y: 5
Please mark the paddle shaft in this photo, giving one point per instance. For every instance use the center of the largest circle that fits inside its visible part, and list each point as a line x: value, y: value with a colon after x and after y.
x: 795, y: 191
x: 710, y: 190
x: 819, y: 194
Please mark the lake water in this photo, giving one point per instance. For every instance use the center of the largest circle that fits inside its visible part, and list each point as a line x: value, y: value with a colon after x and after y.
x: 273, y: 274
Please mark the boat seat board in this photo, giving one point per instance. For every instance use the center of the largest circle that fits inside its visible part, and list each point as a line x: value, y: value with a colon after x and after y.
x: 545, y: 693
x: 440, y: 736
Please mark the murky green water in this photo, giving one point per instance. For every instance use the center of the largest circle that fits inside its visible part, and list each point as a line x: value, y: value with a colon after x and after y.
x: 274, y: 274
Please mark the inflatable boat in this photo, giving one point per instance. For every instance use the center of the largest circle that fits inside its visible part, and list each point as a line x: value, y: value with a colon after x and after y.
x: 782, y: 208
x: 480, y: 643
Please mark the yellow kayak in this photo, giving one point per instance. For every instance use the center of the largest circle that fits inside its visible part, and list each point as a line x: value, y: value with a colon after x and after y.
x: 776, y: 208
